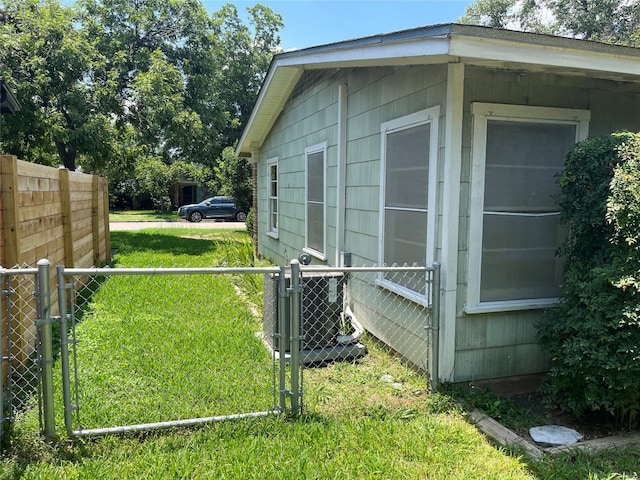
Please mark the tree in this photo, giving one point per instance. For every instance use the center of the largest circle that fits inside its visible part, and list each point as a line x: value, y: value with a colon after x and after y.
x: 234, y: 178
x: 490, y: 13
x: 604, y: 20
x: 106, y: 84
x: 50, y: 64
x: 613, y: 21
x: 243, y: 54
x: 155, y: 51
x: 155, y: 178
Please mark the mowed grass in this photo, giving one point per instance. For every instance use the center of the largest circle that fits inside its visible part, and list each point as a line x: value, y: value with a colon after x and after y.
x: 160, y: 348
x: 141, y: 216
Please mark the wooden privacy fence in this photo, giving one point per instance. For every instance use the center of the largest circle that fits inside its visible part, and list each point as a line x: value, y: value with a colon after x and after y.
x: 52, y: 213
x: 47, y: 213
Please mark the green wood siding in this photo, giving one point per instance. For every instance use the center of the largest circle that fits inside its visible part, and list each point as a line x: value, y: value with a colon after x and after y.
x: 504, y: 344
x: 375, y: 95
x: 486, y: 345
x: 378, y: 95
x: 309, y: 118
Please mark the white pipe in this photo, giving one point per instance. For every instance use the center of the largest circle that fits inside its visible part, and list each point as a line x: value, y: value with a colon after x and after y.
x: 358, y: 329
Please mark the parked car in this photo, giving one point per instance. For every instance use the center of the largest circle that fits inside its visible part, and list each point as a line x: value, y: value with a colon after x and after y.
x: 213, y: 207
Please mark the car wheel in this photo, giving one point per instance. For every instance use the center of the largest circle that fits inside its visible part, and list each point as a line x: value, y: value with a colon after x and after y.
x: 241, y: 217
x: 195, y: 217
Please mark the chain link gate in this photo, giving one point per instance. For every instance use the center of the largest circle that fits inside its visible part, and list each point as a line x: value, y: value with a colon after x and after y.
x: 76, y: 290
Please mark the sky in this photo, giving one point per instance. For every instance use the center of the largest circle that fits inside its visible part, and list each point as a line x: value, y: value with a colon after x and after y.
x: 308, y: 23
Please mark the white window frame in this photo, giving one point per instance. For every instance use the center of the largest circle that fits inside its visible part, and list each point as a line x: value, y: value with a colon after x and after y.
x: 481, y: 113
x: 272, y: 230
x: 321, y: 147
x: 428, y: 116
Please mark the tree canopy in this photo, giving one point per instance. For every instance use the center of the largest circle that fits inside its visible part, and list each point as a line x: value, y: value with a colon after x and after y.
x: 611, y: 21
x: 107, y: 85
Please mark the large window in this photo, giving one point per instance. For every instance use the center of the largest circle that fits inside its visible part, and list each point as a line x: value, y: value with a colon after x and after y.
x: 515, y: 231
x: 272, y: 229
x: 409, y: 159
x: 315, y: 200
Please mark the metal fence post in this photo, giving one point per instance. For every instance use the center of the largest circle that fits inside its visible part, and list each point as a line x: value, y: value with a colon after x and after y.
x: 280, y: 337
x: 45, y: 337
x: 296, y: 294
x: 435, y: 328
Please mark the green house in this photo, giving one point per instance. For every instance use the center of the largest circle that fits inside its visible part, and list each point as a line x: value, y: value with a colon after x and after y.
x: 440, y: 143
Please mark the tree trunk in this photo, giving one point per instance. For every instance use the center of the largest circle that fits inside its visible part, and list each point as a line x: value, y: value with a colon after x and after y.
x: 67, y: 155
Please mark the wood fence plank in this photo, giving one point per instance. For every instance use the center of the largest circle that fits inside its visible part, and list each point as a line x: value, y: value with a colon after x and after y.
x: 10, y: 214
x: 96, y: 221
x: 67, y: 230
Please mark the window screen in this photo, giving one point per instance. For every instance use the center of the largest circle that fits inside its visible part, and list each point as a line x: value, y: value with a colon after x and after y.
x: 406, y: 201
x: 273, y: 197
x: 315, y: 201
x: 521, y: 231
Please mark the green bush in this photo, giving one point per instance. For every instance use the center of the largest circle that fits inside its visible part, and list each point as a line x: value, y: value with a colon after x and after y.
x: 593, y: 336
x: 248, y: 223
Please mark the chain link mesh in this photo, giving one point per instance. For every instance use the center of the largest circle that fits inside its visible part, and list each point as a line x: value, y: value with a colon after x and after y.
x: 19, y: 345
x: 346, y: 312
x: 148, y: 348
x: 337, y: 306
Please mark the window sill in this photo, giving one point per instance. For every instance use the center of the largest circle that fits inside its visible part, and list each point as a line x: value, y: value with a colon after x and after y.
x: 517, y: 305
x: 404, y: 292
x: 273, y: 235
x: 315, y: 253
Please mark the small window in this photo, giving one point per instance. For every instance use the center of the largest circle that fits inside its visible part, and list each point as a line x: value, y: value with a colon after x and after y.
x: 272, y: 229
x: 315, y: 200
x: 409, y: 159
x: 515, y: 228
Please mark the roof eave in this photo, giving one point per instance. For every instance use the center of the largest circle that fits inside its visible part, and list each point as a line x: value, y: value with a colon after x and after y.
x: 431, y: 45
x: 286, y: 69
x: 8, y: 101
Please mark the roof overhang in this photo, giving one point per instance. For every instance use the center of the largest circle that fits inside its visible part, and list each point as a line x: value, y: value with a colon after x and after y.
x: 8, y: 101
x: 450, y: 43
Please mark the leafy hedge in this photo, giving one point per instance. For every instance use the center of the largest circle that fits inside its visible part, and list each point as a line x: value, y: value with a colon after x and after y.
x: 593, y: 336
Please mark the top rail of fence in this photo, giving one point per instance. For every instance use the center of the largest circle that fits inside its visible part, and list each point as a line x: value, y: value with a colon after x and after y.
x: 105, y: 271
x: 225, y: 270
x: 373, y: 268
x: 18, y: 271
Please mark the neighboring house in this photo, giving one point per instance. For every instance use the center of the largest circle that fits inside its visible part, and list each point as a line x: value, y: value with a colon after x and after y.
x: 187, y: 192
x: 439, y: 143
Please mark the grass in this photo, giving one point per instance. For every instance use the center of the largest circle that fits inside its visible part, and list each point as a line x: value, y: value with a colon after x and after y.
x: 141, y: 216
x: 153, y: 350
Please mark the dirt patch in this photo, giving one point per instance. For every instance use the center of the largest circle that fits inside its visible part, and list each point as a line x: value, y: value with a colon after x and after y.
x: 526, y: 407
x: 534, y: 408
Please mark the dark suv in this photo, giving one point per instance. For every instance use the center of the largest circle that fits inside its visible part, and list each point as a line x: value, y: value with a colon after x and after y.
x: 213, y: 207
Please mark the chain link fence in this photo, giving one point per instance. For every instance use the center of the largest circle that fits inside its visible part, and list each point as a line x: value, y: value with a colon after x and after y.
x: 19, y: 340
x: 146, y: 348
x: 343, y: 310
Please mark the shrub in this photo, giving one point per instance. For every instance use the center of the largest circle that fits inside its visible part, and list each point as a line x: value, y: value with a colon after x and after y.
x: 248, y: 223
x: 593, y: 336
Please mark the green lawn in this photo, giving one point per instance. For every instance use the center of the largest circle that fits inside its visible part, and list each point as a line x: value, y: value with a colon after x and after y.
x: 141, y: 216
x: 152, y: 348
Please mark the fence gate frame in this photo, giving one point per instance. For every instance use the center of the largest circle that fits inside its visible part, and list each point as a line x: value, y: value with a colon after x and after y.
x: 66, y: 298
